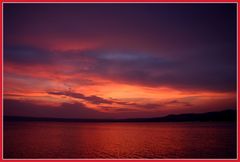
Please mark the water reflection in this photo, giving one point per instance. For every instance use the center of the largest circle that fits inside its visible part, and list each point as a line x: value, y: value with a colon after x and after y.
x: 119, y: 140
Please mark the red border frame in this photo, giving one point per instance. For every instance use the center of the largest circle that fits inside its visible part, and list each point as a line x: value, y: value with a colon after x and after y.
x: 119, y: 1
x: 177, y: 160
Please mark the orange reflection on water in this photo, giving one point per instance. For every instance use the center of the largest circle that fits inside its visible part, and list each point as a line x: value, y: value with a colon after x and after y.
x: 119, y: 140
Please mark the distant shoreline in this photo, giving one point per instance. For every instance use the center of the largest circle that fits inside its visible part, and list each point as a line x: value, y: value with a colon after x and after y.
x: 219, y: 116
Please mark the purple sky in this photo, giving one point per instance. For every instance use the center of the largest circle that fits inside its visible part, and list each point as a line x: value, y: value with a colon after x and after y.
x: 118, y: 60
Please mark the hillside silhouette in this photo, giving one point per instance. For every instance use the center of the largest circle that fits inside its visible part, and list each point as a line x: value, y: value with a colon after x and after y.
x: 225, y: 115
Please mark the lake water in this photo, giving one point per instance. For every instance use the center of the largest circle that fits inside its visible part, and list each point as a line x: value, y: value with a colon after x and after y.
x: 119, y: 140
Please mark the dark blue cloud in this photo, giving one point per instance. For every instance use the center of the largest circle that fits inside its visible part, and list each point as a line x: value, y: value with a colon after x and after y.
x: 207, y: 69
x: 66, y: 110
x: 27, y: 55
x: 93, y: 99
x: 186, y: 46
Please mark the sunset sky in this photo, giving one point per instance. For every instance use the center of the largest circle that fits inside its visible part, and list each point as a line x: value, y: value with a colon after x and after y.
x: 118, y: 60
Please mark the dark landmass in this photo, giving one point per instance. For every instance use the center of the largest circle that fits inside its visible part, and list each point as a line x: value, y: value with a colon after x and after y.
x: 226, y: 115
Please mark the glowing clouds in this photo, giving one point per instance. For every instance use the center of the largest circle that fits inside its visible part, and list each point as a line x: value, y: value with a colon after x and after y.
x: 128, y: 61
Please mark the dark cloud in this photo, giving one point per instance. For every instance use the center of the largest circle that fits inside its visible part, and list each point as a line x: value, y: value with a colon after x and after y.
x: 157, y: 25
x: 201, y: 71
x: 185, y: 46
x: 189, y: 72
x: 177, y: 102
x: 78, y: 110
x: 154, y: 106
x: 98, y: 100
x: 93, y: 99
x: 27, y: 55
x: 66, y: 110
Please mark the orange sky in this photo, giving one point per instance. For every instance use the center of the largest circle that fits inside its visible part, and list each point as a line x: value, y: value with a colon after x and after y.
x: 102, y: 61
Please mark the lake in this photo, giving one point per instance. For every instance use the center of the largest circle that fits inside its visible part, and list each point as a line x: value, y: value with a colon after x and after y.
x: 119, y: 140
